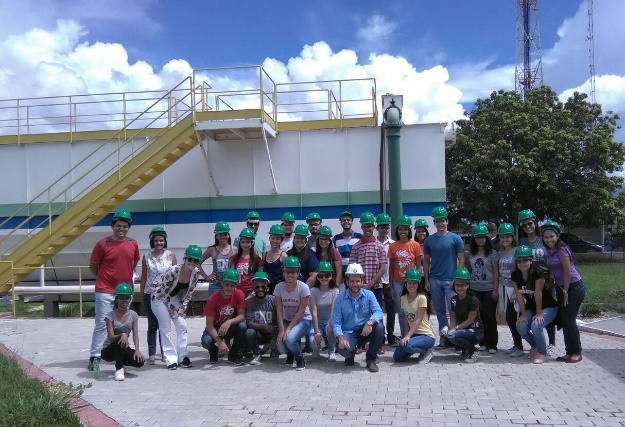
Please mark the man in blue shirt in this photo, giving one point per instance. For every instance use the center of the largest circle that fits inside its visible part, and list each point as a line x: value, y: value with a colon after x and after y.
x: 443, y: 253
x: 357, y: 314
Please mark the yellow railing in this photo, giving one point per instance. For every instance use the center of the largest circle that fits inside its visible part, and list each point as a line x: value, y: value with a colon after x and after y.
x: 11, y: 282
x: 98, y: 165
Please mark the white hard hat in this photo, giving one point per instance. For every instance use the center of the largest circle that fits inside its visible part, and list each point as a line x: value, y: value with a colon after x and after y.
x: 354, y: 270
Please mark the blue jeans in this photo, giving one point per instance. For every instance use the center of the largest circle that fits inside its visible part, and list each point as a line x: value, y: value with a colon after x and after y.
x: 375, y: 339
x: 441, y: 298
x: 103, y: 305
x: 577, y: 292
x: 253, y: 337
x: 323, y: 328
x: 152, y: 325
x: 398, y: 288
x: 236, y: 333
x: 466, y: 339
x: 214, y: 287
x: 416, y: 344
x: 532, y: 332
x: 390, y: 309
x: 291, y: 344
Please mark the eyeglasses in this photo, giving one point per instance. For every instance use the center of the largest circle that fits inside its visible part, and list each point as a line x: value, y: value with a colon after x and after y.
x: 290, y: 272
x: 528, y: 224
x: 324, y: 239
x: 253, y: 224
x: 324, y: 275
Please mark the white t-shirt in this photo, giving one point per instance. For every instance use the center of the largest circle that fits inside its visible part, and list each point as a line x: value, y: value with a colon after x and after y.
x: 291, y: 300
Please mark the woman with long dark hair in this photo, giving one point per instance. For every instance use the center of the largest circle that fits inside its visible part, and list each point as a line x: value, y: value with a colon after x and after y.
x: 306, y: 256
x: 485, y: 284
x: 274, y: 257
x: 220, y: 253
x: 246, y: 261
x: 322, y: 296
x: 419, y: 337
x: 570, y: 289
x: 325, y: 251
x: 153, y: 264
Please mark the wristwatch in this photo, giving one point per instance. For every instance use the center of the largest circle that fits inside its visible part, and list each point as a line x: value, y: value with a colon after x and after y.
x: 370, y: 322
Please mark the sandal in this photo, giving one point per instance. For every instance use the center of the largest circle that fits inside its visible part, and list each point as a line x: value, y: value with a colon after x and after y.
x: 150, y: 360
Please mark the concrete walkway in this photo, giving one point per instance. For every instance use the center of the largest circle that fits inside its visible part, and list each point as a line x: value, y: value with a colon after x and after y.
x: 497, y: 390
x: 613, y: 326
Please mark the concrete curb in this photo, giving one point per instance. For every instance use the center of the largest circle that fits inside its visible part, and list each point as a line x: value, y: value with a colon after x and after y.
x: 88, y: 414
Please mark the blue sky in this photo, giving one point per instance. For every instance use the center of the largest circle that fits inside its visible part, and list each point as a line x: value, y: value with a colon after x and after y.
x: 448, y: 52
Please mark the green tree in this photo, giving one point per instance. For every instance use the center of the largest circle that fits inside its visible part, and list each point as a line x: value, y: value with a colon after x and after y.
x: 553, y: 157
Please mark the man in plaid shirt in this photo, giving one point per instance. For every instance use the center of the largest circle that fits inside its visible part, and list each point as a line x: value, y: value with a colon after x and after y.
x: 370, y: 254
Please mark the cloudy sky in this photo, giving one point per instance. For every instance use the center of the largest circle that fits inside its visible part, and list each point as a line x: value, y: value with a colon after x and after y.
x: 440, y: 55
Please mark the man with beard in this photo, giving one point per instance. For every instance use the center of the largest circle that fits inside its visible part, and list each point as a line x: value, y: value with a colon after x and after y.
x: 357, y: 314
x: 288, y: 224
x: 260, y: 316
x: 346, y: 240
x: 314, y: 223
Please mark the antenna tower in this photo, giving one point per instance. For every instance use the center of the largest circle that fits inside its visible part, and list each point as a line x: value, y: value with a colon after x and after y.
x: 591, y: 51
x: 529, y: 67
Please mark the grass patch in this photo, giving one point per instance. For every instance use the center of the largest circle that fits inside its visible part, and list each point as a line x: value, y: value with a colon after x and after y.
x: 31, y: 310
x: 72, y: 309
x: 25, y: 401
x: 605, y: 286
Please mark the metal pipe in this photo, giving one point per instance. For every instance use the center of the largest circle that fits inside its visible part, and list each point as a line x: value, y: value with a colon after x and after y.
x: 74, y: 289
x: 42, y: 277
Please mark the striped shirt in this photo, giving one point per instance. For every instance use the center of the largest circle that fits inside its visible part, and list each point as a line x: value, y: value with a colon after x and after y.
x: 344, y: 245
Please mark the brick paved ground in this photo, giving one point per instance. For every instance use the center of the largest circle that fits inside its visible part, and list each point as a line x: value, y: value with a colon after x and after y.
x: 497, y: 390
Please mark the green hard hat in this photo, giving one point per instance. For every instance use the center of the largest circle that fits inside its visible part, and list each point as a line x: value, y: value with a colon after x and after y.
x: 313, y: 216
x: 324, y: 267
x: 439, y: 212
x: 505, y: 228
x: 462, y: 274
x: 277, y: 230
x: 158, y: 231
x: 252, y: 215
x: 367, y: 218
x: 404, y: 220
x: 222, y: 227
x: 123, y: 289
x: 550, y: 225
x: 122, y: 214
x: 260, y: 275
x: 346, y: 213
x: 325, y: 231
x: 383, y: 219
x: 420, y: 223
x: 413, y: 275
x: 231, y: 275
x: 288, y: 217
x: 523, y: 251
x: 291, y: 262
x: 193, y: 252
x: 480, y: 230
x: 247, y: 232
x: 301, y: 230
x: 526, y: 214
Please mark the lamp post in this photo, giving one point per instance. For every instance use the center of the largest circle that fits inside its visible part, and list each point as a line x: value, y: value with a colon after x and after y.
x: 392, y: 124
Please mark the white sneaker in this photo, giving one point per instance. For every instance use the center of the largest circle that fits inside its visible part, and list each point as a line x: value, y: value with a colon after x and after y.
x: 425, y: 357
x: 119, y: 375
x: 473, y: 358
x: 332, y: 357
x: 256, y: 360
x: 551, y: 350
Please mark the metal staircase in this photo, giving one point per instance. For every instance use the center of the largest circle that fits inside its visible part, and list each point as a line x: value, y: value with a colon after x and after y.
x: 67, y: 217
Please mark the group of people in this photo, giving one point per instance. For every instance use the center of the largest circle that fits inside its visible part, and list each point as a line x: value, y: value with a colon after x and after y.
x: 307, y: 285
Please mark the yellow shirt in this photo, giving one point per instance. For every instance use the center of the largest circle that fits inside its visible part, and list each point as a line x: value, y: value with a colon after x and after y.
x: 411, y: 309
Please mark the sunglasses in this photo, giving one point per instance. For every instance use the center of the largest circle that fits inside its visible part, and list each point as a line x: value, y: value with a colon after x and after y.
x: 253, y: 224
x: 194, y: 261
x: 324, y: 275
x: 528, y: 224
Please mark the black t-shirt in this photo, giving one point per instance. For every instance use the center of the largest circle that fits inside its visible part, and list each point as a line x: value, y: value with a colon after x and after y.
x: 526, y: 288
x: 462, y: 308
x: 180, y: 286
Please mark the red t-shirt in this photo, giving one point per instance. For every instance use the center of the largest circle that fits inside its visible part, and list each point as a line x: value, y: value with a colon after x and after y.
x: 115, y: 260
x: 245, y: 275
x: 221, y: 309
